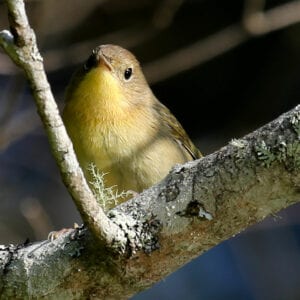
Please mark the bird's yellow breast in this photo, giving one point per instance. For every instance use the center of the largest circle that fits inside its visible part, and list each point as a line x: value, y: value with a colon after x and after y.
x: 116, y: 123
x: 106, y: 129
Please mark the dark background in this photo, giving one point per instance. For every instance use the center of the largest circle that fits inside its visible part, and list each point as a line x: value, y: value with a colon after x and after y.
x: 223, y: 94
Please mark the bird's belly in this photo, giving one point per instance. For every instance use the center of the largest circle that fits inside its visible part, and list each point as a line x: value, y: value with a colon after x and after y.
x: 141, y: 167
x: 129, y: 161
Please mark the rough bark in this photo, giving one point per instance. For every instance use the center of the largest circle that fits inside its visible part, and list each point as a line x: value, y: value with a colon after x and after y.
x: 199, y: 205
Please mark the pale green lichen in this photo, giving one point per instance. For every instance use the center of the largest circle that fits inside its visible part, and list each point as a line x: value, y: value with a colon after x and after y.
x: 265, y: 154
x: 107, y: 197
x: 290, y: 154
x: 240, y: 149
x: 286, y: 153
x: 238, y: 143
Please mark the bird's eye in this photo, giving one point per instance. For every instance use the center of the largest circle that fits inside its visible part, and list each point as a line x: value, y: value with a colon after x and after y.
x: 128, y: 73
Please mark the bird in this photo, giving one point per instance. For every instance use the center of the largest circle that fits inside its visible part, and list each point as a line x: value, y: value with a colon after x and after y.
x: 116, y: 123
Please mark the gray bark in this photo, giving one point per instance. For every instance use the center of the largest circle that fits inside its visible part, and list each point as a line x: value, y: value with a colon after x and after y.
x: 199, y: 205
x: 196, y: 207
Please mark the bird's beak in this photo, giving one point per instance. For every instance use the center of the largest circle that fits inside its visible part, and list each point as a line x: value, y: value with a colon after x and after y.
x: 105, y: 61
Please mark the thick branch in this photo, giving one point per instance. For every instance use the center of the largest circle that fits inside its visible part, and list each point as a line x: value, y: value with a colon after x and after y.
x: 21, y: 46
x: 196, y: 207
x: 199, y: 205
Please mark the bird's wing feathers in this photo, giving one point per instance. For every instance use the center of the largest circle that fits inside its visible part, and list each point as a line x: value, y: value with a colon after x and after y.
x: 177, y: 131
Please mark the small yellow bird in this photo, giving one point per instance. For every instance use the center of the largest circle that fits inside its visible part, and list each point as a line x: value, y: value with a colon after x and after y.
x: 116, y: 123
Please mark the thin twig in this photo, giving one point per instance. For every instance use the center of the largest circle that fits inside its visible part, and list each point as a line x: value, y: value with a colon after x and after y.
x: 20, y: 45
x: 195, y: 54
x: 255, y: 22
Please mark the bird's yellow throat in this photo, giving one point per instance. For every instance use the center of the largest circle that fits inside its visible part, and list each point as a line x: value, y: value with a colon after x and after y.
x: 99, y: 91
x: 116, y: 123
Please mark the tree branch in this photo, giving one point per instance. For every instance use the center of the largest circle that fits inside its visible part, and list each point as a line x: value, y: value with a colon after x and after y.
x: 20, y: 45
x: 199, y: 205
x: 255, y: 22
x: 258, y: 22
x: 196, y: 207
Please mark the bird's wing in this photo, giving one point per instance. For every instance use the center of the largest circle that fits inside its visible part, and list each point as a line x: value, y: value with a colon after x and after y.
x: 177, y: 131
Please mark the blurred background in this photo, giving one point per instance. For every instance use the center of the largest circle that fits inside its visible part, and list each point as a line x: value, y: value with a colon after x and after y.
x: 224, y: 68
